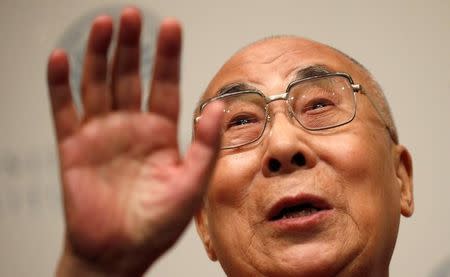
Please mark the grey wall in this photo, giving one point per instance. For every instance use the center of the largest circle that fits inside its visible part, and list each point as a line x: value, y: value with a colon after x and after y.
x: 404, y: 43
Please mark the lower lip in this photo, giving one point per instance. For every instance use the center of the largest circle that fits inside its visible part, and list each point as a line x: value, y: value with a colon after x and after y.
x: 302, y: 223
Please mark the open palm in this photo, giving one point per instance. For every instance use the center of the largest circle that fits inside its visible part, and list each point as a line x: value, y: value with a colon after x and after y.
x: 128, y: 194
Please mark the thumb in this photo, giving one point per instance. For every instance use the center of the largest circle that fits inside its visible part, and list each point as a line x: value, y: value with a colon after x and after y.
x: 201, y: 156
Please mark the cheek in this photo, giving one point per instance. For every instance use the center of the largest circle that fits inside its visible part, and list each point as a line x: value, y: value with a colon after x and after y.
x: 360, y: 161
x: 228, y: 195
x: 363, y: 166
x: 232, y: 178
x: 228, y: 200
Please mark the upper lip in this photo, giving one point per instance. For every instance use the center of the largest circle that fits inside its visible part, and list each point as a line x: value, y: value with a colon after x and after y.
x: 300, y: 199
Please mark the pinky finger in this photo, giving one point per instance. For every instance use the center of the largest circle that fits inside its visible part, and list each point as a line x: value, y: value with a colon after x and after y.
x: 65, y: 117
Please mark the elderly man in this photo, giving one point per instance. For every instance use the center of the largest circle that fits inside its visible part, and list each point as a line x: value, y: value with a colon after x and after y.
x: 309, y: 178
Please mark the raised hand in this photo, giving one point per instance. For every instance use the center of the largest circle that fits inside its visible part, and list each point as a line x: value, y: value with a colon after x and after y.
x: 128, y: 194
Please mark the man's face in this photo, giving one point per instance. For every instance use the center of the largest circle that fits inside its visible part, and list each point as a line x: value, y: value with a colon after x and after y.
x: 346, y: 186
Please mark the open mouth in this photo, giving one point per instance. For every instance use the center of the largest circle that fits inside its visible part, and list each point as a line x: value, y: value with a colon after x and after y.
x: 297, y: 207
x: 301, y: 210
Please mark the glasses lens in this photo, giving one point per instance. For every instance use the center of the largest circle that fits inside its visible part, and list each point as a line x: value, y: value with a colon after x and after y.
x: 323, y: 103
x: 243, y: 120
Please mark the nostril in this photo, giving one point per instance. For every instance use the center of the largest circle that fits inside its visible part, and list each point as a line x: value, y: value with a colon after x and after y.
x: 274, y: 165
x: 298, y: 159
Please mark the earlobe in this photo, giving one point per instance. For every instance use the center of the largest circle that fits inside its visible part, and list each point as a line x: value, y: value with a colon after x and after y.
x: 404, y: 171
x: 201, y: 223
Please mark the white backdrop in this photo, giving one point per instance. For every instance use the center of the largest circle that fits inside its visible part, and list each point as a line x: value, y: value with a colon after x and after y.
x: 406, y: 44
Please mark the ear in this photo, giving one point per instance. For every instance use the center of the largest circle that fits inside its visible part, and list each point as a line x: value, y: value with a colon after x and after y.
x: 404, y: 172
x: 201, y: 222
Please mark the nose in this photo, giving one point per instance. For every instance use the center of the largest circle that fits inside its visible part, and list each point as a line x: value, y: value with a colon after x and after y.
x: 287, y: 148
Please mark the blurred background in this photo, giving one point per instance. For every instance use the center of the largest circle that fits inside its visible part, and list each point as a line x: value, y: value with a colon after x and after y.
x: 405, y: 44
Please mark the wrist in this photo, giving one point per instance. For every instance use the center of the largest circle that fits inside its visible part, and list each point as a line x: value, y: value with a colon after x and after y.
x: 71, y: 264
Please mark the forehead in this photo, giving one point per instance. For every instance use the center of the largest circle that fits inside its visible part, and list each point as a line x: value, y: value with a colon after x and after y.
x: 272, y: 63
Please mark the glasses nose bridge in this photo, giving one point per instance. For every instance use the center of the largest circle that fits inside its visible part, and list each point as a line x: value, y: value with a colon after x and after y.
x: 277, y: 97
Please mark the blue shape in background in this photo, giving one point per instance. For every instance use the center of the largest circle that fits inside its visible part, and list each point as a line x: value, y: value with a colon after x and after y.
x: 75, y: 37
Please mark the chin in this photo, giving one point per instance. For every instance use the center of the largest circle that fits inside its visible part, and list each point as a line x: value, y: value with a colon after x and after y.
x: 318, y: 259
x: 321, y: 260
x: 314, y: 259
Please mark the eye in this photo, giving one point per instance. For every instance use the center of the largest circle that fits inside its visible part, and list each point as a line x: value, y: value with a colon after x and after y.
x: 241, y: 121
x: 318, y: 104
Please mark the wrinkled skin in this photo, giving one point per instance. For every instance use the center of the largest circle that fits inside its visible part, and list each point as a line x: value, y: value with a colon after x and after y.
x: 356, y: 168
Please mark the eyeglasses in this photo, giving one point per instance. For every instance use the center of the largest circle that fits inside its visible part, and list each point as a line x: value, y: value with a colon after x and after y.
x: 317, y: 103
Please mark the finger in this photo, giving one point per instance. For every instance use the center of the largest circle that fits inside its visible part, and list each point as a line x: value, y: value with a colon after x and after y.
x: 95, y: 94
x: 200, y: 158
x: 126, y: 82
x: 63, y: 109
x: 164, y: 97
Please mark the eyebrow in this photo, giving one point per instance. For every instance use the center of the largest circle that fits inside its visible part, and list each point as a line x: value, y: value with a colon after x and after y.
x: 235, y: 87
x: 307, y: 72
x: 313, y: 71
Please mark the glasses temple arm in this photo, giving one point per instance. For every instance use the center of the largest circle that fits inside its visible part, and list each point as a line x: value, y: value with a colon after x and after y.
x: 391, y: 132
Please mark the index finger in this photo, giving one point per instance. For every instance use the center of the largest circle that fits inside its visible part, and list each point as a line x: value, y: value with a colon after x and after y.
x: 65, y: 116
